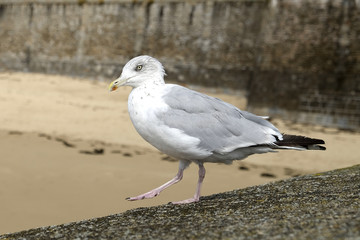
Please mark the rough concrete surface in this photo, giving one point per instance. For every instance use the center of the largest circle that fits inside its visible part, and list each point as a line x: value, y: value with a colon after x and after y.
x: 319, y: 206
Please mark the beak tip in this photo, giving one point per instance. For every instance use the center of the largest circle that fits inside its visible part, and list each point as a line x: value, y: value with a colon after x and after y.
x: 112, y: 87
x: 116, y: 84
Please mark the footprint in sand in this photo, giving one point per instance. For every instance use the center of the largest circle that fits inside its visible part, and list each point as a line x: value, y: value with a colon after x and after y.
x: 244, y: 168
x: 95, y: 151
x: 15, y: 133
x: 168, y: 158
x: 127, y: 154
x: 66, y: 143
x: 262, y: 174
x: 268, y: 175
x: 43, y: 135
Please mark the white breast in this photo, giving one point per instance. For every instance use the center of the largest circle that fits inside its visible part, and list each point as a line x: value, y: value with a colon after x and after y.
x: 144, y: 105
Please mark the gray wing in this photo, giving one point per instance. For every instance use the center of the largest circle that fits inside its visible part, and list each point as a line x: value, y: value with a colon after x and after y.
x: 220, y: 126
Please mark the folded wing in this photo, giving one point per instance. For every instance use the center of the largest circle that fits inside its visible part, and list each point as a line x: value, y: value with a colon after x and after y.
x: 220, y: 126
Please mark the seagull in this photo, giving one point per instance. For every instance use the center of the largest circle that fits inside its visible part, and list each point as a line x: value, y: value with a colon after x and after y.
x: 193, y: 127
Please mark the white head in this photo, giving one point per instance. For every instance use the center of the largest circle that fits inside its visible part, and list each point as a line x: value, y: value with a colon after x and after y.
x: 138, y: 71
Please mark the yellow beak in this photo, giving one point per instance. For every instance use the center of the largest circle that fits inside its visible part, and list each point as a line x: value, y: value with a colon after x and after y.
x: 116, y: 84
x: 112, y: 86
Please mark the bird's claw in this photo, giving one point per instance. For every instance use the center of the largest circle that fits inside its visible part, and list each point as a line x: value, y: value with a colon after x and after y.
x: 190, y: 200
x: 147, y: 195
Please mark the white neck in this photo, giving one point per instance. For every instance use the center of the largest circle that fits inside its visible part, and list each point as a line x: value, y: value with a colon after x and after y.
x: 150, y: 81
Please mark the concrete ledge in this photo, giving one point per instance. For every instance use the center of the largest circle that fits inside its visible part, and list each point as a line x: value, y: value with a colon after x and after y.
x: 319, y: 206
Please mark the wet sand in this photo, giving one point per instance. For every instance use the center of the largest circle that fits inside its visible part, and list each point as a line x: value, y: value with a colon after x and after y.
x: 69, y: 152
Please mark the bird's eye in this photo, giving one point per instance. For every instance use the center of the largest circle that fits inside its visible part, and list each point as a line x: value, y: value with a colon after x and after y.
x: 139, y: 67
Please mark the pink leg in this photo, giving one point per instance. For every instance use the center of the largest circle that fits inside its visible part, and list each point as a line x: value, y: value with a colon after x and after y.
x: 198, y: 188
x: 156, y: 191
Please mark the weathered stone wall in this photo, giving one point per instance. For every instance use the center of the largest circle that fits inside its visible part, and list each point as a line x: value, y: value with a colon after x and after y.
x: 310, y: 63
x: 203, y: 42
x: 280, y: 52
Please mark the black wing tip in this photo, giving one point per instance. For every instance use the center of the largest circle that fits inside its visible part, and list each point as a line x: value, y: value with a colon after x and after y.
x: 305, y: 142
x: 315, y: 147
x: 322, y: 147
x: 319, y: 141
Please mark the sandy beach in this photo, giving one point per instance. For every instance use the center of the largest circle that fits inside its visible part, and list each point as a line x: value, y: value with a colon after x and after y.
x: 68, y: 152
